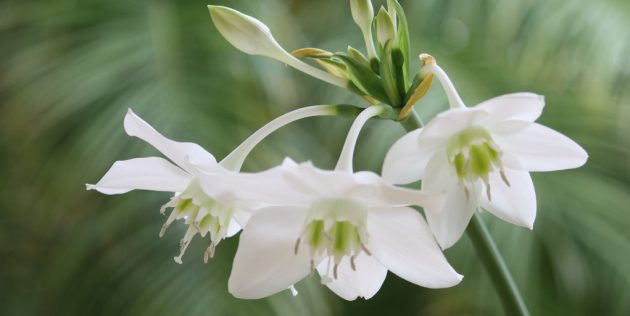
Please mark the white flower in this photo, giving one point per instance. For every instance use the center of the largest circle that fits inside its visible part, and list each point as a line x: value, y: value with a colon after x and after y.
x: 480, y: 156
x: 220, y: 211
x: 218, y: 217
x: 351, y: 227
x: 254, y: 37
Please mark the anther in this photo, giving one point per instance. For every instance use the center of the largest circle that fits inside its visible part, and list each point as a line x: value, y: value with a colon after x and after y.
x: 367, y: 251
x: 467, y: 193
x: 297, y: 246
x: 163, y: 230
x: 209, y: 252
x: 353, y: 264
x: 312, y: 266
x: 335, y: 271
x: 504, y: 178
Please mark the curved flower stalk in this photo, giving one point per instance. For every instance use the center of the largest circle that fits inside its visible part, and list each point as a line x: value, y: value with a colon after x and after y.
x: 480, y: 156
x: 350, y: 227
x: 220, y: 215
x: 254, y: 37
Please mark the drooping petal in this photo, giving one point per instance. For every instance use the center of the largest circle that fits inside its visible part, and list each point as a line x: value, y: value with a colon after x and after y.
x: 401, y: 240
x: 449, y: 221
x: 265, y: 262
x: 151, y: 173
x: 178, y: 152
x: 522, y: 106
x: 405, y: 162
x: 516, y: 203
x: 539, y: 148
x: 350, y: 284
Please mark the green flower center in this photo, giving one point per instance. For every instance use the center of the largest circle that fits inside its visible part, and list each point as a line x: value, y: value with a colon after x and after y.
x: 473, y: 154
x: 335, y: 228
x: 202, y: 214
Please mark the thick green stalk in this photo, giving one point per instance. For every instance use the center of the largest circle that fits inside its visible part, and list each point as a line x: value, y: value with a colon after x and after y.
x: 488, y: 252
x: 495, y: 266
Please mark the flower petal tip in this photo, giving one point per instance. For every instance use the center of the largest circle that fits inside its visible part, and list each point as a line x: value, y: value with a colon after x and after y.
x: 90, y: 187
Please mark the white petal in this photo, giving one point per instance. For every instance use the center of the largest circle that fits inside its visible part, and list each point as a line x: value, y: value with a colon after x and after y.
x: 449, y: 221
x: 404, y: 162
x: 364, y: 282
x: 449, y: 123
x: 265, y: 262
x: 151, y: 173
x: 180, y: 153
x: 522, y: 106
x: 515, y: 204
x: 401, y: 240
x: 539, y: 148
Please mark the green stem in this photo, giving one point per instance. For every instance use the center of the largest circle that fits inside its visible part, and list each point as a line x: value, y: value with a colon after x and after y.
x: 495, y: 266
x: 488, y: 252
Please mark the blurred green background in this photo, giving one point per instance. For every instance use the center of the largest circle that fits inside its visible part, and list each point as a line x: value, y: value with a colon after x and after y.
x: 70, y: 69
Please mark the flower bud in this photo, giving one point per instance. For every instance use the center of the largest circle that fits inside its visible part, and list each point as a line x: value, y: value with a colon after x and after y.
x: 254, y: 37
x: 362, y: 13
x: 385, y: 30
x: 245, y: 32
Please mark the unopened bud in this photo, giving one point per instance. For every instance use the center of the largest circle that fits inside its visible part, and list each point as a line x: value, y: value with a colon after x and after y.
x: 385, y: 30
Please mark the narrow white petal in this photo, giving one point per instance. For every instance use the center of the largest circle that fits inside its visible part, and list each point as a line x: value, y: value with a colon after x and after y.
x: 151, y: 173
x: 404, y: 162
x: 180, y: 153
x: 401, y: 240
x: 539, y: 148
x: 515, y: 204
x: 522, y: 106
x: 350, y: 284
x: 265, y: 262
x: 449, y: 221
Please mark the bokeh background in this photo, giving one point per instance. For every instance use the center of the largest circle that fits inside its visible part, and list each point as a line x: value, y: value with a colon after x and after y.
x: 69, y: 70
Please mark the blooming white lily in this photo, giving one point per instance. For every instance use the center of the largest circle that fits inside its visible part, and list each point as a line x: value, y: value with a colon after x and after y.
x: 491, y: 147
x: 220, y: 214
x: 351, y: 227
x: 254, y: 37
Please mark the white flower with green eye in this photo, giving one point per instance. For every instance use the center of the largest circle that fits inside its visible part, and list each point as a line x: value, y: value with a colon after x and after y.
x: 350, y: 227
x: 480, y: 156
x: 203, y: 214
x: 220, y: 214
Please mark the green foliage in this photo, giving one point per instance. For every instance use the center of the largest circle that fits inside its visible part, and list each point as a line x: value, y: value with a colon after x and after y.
x: 70, y: 69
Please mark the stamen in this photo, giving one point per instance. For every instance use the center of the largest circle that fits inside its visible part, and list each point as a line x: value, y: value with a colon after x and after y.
x: 367, y: 251
x: 297, y: 246
x: 182, y: 248
x: 209, y: 252
x: 163, y: 230
x: 312, y: 266
x: 353, y: 264
x: 335, y: 271
x: 504, y: 178
x: 467, y: 193
x: 488, y: 191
